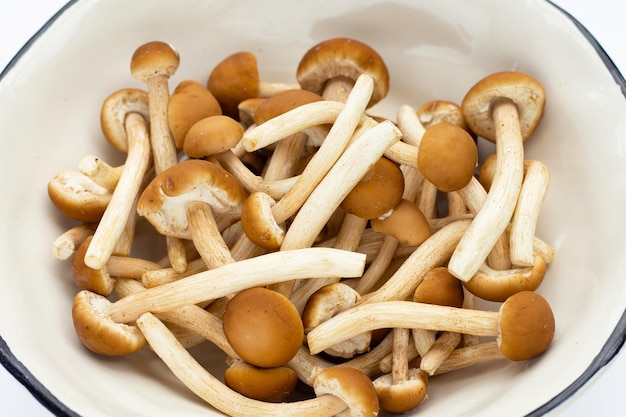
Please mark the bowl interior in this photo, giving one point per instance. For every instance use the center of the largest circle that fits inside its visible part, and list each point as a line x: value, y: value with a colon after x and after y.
x: 51, y: 98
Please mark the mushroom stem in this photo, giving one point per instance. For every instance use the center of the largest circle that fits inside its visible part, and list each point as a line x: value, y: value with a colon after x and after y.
x: 400, y: 362
x: 100, y: 172
x: 524, y: 222
x: 439, y: 351
x: 469, y: 356
x: 111, y: 226
x: 232, y: 278
x: 206, y: 235
x: 406, y: 314
x: 430, y: 254
x: 492, y: 219
x: 66, y: 243
x: 213, y: 391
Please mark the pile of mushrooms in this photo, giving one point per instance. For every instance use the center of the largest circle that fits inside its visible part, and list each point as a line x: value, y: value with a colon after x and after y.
x: 314, y: 242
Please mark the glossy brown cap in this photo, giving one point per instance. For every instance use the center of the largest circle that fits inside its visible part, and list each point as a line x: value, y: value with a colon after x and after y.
x: 440, y: 287
x: 77, y: 196
x: 406, y: 223
x: 233, y: 80
x: 343, y: 57
x: 212, y: 135
x: 350, y: 385
x: 264, y: 384
x: 152, y: 59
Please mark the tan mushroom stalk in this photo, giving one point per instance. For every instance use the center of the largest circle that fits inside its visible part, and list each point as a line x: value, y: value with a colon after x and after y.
x: 443, y: 347
x: 526, y: 215
x: 64, y: 246
x: 100, y: 172
x: 77, y: 196
x: 524, y: 325
x: 403, y: 389
x: 504, y: 107
x: 331, y: 67
x: 213, y: 391
x: 195, y: 200
x: 329, y: 152
x: 121, y: 207
x: 232, y: 278
x: 467, y: 356
x: 154, y: 63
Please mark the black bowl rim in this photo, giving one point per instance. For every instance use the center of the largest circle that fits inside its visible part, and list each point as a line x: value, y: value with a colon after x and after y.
x: 607, y: 353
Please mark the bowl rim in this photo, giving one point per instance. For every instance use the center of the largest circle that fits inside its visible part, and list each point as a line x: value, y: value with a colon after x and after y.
x: 609, y: 350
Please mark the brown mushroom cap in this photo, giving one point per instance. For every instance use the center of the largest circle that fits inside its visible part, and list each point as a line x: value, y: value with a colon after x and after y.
x: 96, y: 280
x: 487, y: 171
x: 162, y: 202
x: 350, y: 385
x: 233, y: 80
x: 377, y: 192
x: 190, y: 101
x: 212, y: 135
x: 447, y: 156
x: 526, y: 326
x: 258, y: 222
x: 78, y: 197
x: 406, y: 223
x: 113, y: 114
x: 282, y: 103
x: 441, y: 111
x: 440, y: 287
x: 526, y: 92
x: 342, y: 57
x: 499, y: 285
x: 263, y: 384
x: 263, y: 327
x: 404, y: 396
x: 154, y: 58
x: 98, y: 332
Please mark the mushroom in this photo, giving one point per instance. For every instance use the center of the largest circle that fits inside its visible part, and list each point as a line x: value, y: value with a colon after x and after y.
x: 154, y: 63
x: 101, y: 280
x: 336, y: 390
x: 504, y: 107
x: 263, y: 327
x: 194, y: 199
x: 403, y: 389
x: 405, y: 222
x: 78, y: 197
x: 327, y: 302
x: 441, y: 111
x: 331, y: 67
x: 190, y: 101
x: 114, y: 110
x: 121, y: 208
x: 217, y: 136
x: 264, y: 384
x: 524, y: 325
x: 97, y: 333
x: 498, y: 285
x: 100, y: 172
x: 526, y: 215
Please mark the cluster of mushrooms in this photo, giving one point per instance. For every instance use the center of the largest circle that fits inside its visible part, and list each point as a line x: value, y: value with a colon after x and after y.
x: 324, y: 250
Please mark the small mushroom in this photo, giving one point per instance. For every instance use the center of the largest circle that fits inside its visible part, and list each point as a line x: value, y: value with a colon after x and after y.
x: 154, y: 63
x: 114, y: 110
x: 194, y: 199
x: 78, y: 197
x: 190, y: 101
x: 405, y: 222
x: 504, y: 107
x: 403, y: 389
x: 339, y: 62
x: 264, y: 384
x: 327, y: 302
x: 263, y: 327
x: 441, y: 111
x: 524, y: 325
x: 498, y: 285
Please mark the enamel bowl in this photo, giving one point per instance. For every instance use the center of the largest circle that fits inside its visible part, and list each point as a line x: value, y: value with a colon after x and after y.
x: 51, y: 96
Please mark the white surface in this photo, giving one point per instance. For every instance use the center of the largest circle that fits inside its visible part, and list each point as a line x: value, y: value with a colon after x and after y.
x: 19, y: 20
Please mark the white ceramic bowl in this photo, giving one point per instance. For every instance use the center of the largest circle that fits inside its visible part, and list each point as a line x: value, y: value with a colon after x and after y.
x: 50, y: 97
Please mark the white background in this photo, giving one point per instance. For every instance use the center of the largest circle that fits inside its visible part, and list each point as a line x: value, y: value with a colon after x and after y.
x: 604, y: 396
